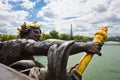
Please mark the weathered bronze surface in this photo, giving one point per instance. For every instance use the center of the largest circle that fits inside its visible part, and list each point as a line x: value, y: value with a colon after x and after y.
x: 7, y: 73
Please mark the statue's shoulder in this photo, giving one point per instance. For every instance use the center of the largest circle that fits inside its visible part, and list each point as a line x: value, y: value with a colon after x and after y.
x: 53, y: 40
x: 19, y: 41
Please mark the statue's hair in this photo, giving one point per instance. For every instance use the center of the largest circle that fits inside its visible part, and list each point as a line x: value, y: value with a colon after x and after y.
x: 25, y: 29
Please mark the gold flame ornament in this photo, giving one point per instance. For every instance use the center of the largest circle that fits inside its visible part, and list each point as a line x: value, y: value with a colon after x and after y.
x: 27, y: 26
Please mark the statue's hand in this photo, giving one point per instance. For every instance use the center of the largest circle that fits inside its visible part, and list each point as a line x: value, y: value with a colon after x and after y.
x: 38, y: 73
x: 93, y: 48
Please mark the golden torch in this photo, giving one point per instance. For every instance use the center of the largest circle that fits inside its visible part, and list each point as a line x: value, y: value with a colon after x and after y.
x: 99, y: 37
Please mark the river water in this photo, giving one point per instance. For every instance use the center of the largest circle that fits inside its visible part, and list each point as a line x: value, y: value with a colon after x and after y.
x: 106, y: 67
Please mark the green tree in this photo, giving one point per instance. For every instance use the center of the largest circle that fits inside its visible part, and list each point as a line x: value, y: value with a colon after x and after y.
x: 78, y: 37
x: 46, y: 36
x: 85, y: 38
x: 54, y: 34
x: 64, y: 36
x: 5, y: 37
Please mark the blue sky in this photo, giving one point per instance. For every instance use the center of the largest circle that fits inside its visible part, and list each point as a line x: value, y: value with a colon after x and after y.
x: 86, y: 16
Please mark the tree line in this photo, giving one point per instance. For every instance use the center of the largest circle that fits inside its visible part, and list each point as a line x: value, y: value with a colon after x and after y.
x: 51, y: 35
x: 55, y: 35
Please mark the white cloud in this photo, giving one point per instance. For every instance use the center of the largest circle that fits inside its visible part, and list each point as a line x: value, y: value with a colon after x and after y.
x: 4, y: 5
x: 85, y: 15
x: 27, y: 4
x: 9, y: 19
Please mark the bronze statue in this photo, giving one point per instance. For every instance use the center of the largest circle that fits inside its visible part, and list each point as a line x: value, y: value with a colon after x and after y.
x: 18, y: 54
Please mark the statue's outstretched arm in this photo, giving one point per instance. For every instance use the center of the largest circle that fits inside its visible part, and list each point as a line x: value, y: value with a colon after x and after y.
x: 41, y: 48
x: 89, y: 47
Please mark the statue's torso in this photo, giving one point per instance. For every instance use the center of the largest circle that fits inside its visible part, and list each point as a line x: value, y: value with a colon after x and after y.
x: 13, y: 50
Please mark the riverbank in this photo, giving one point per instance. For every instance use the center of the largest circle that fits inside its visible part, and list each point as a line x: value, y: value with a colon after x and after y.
x: 112, y: 43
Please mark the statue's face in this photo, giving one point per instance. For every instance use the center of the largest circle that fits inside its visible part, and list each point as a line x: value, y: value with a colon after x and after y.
x: 34, y: 34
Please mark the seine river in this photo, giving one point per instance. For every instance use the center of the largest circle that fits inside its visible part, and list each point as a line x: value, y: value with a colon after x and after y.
x: 106, y: 67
